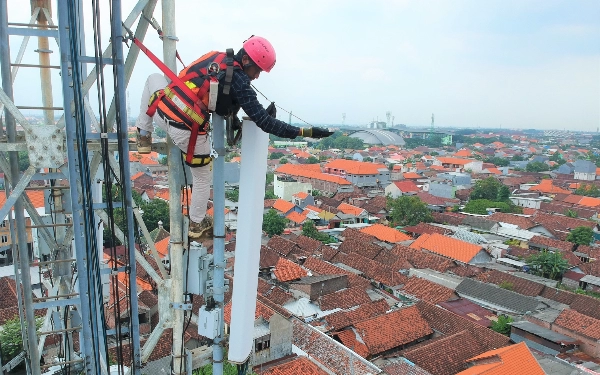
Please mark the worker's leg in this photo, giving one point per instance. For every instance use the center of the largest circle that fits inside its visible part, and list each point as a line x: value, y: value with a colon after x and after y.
x: 201, y: 176
x: 154, y: 83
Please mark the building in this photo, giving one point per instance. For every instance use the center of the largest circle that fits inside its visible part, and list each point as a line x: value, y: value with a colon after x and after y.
x: 378, y: 137
x: 585, y: 170
x: 359, y: 173
x: 399, y: 188
x: 307, y: 174
x: 459, y: 165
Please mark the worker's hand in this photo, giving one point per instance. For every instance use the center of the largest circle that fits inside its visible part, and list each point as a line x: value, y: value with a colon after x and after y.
x: 271, y: 110
x: 315, y: 132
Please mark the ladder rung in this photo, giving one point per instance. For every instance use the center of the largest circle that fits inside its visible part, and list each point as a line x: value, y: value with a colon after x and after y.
x: 55, y: 261
x: 50, y: 225
x: 36, y: 66
x: 59, y: 331
x: 42, y: 108
x: 52, y: 297
x: 61, y: 363
x: 33, y: 25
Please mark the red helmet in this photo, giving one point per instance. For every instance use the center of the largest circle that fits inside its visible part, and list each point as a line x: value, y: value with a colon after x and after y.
x: 261, y: 52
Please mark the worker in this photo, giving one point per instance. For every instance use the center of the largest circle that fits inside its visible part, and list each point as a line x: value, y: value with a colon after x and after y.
x: 165, y: 103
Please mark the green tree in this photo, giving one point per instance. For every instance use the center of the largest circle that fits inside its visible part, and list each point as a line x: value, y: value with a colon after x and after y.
x: 233, y: 195
x: 309, y: 230
x: 312, y: 160
x: 548, y: 264
x: 231, y: 155
x: 581, y: 235
x: 537, y: 166
x: 276, y: 155
x: 270, y: 178
x: 408, y: 210
x: 490, y: 189
x: 283, y: 161
x: 502, y: 325
x: 589, y: 190
x: 273, y: 223
x: 571, y: 213
x: 497, y: 161
x: 10, y: 338
x: 160, y: 133
x: 23, y: 161
x: 164, y: 160
x: 517, y: 158
x: 270, y: 195
x: 154, y: 211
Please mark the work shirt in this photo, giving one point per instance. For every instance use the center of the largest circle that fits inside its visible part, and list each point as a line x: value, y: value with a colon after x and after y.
x: 245, y: 96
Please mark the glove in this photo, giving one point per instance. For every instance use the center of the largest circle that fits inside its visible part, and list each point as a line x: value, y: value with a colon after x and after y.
x: 271, y: 110
x: 315, y: 132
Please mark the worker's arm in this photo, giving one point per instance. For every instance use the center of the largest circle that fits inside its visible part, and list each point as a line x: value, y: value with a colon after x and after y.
x: 246, y: 98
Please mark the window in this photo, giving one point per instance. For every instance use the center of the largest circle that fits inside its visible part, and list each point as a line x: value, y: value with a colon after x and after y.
x: 4, y: 239
x: 262, y: 343
x: 3, y: 224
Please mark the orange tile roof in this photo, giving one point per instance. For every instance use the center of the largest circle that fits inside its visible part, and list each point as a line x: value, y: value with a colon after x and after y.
x: 494, y: 171
x: 283, y: 206
x: 509, y: 360
x: 261, y: 311
x: 211, y: 211
x: 286, y: 270
x: 590, y: 202
x: 349, y: 209
x: 463, y: 153
x: 448, y: 160
x: 301, y: 194
x: 546, y: 186
x: 446, y: 246
x: 162, y: 194
x: 300, y: 365
x: 313, y: 208
x: 385, y: 233
x: 310, y: 171
x: 139, y: 174
x: 579, y: 323
x: 406, y: 186
x: 296, y: 217
x: 162, y: 246
x: 411, y: 175
x: 355, y: 167
x: 352, y: 340
x: 35, y: 196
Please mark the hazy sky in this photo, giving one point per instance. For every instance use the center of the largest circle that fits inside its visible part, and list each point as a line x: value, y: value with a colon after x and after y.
x: 509, y: 63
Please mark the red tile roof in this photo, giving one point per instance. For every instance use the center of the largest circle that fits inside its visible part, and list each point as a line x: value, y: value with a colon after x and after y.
x: 296, y: 217
x: 449, y: 247
x: 286, y: 270
x: 521, y: 221
x: 385, y: 233
x: 343, y: 319
x: 406, y: 186
x: 352, y: 340
x: 579, y: 323
x: 458, y: 161
x: 301, y: 195
x: 309, y: 172
x: 344, y: 299
x: 546, y: 186
x: 298, y: 365
x: 355, y: 167
x: 427, y: 291
x: 509, y: 360
x: 392, y: 330
x: 321, y: 267
x: 411, y: 175
x: 349, y: 209
x: 517, y: 284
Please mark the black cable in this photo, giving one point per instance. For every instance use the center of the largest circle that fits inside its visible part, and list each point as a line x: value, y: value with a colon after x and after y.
x: 283, y: 109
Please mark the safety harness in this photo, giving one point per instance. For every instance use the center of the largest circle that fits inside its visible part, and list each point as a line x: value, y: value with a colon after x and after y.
x: 186, y: 103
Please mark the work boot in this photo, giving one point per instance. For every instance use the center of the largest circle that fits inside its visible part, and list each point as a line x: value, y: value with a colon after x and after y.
x: 203, y: 229
x: 144, y: 143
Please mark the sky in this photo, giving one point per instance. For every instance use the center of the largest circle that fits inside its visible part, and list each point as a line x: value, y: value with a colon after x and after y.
x: 512, y: 64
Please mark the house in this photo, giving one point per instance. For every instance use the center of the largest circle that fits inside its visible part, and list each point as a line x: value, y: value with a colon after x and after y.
x: 285, y: 207
x: 140, y: 179
x: 314, y: 287
x: 458, y: 164
x: 496, y: 298
x: 581, y: 327
x: 290, y: 365
x: 359, y: 173
x: 399, y: 188
x: 540, y: 338
x: 441, y: 189
x: 289, y: 176
x: 514, y: 359
x: 387, y: 333
x: 349, y: 214
x: 452, y: 248
x: 385, y: 233
x: 567, y: 168
x: 303, y: 199
x: 585, y: 170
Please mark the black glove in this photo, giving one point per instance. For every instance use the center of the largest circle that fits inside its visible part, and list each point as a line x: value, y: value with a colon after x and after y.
x: 315, y: 132
x: 271, y: 110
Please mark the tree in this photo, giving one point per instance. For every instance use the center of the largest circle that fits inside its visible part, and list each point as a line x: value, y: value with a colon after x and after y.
x: 480, y: 207
x: 276, y: 155
x: 589, y: 190
x: 312, y: 160
x: 283, y: 161
x: 23, y: 161
x: 537, y: 166
x: 517, y: 158
x: 154, y: 211
x: 581, y: 235
x: 231, y: 155
x: 408, y: 210
x: 502, y: 325
x: 11, y: 340
x: 270, y: 195
x: 233, y: 195
x: 548, y: 264
x: 160, y: 133
x: 490, y: 189
x: 497, y: 161
x: 571, y: 213
x: 309, y: 230
x: 273, y: 223
x: 164, y: 160
x: 270, y: 178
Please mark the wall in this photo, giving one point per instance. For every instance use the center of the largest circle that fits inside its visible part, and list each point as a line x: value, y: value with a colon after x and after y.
x: 442, y: 190
x: 281, y: 336
x: 585, y: 176
x: 286, y: 189
x: 481, y: 257
x: 318, y: 289
x: 526, y: 202
x: 588, y: 346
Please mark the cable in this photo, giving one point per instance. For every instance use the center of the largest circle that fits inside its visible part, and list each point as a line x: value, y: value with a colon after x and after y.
x: 283, y: 109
